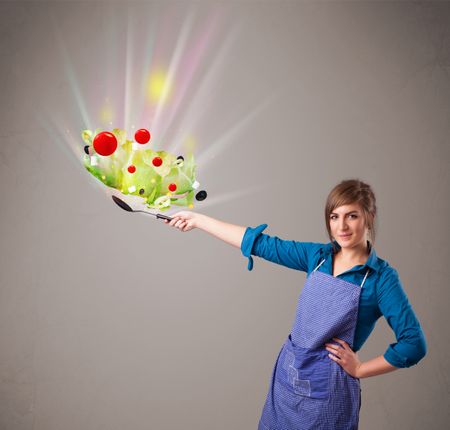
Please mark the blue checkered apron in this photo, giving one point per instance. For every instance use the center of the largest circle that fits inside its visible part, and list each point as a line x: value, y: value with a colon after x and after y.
x: 308, y: 390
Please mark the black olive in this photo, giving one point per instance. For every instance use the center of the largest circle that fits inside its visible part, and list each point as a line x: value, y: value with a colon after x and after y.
x: 180, y: 157
x: 141, y: 191
x: 201, y: 195
x: 86, y: 149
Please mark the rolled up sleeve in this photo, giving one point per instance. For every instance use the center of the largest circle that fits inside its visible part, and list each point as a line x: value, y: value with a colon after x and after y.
x: 410, y: 347
x: 248, y: 241
x: 288, y: 253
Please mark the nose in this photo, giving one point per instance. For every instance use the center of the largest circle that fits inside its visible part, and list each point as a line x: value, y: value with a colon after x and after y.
x: 342, y: 224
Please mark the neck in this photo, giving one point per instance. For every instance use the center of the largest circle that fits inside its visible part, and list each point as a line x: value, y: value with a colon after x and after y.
x: 357, y: 253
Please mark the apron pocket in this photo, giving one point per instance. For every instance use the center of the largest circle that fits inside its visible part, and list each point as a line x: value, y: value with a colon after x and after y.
x: 309, y: 373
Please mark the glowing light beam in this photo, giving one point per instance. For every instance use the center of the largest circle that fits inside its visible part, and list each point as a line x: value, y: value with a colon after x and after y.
x: 70, y: 73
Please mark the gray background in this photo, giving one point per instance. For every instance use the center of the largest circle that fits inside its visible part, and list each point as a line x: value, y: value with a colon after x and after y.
x: 110, y: 320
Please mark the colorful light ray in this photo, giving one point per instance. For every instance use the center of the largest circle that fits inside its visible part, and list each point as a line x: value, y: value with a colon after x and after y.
x: 159, y: 87
x: 74, y: 86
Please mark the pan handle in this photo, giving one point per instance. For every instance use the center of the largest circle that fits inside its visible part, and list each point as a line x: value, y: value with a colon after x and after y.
x: 164, y: 217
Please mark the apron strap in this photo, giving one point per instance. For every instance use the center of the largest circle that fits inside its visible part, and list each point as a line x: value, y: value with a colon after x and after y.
x: 365, y: 277
x: 319, y: 265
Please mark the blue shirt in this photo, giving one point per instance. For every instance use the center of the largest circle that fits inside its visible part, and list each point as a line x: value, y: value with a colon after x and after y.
x: 382, y: 293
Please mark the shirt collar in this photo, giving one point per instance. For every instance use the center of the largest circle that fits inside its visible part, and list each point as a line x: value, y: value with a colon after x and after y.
x: 372, y: 261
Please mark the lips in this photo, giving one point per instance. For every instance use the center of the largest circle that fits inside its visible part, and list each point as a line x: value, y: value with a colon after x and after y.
x: 345, y: 235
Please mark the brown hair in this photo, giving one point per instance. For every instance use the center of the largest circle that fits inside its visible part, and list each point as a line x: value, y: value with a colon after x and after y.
x: 348, y: 192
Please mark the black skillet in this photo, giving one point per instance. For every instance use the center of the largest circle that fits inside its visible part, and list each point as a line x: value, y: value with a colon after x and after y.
x: 128, y: 208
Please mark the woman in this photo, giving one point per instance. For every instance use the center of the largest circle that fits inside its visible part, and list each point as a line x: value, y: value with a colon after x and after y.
x: 315, y: 381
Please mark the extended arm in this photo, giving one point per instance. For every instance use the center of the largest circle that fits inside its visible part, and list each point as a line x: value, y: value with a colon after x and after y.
x: 289, y: 253
x: 229, y: 233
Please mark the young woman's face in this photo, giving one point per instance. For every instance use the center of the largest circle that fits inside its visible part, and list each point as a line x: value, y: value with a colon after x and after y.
x: 348, y: 226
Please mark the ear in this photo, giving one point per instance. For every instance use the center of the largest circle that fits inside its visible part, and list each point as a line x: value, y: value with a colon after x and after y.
x: 368, y: 234
x: 370, y: 218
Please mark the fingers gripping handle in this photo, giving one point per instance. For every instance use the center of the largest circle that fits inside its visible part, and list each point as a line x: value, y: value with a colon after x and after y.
x: 164, y: 217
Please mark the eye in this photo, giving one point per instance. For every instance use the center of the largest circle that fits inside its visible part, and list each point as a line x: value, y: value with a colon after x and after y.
x: 353, y: 216
x: 333, y: 216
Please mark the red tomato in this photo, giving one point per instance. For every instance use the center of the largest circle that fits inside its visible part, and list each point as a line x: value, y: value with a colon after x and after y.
x: 142, y: 136
x: 105, y: 143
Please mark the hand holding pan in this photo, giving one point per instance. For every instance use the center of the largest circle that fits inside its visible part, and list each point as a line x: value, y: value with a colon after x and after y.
x: 128, y: 208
